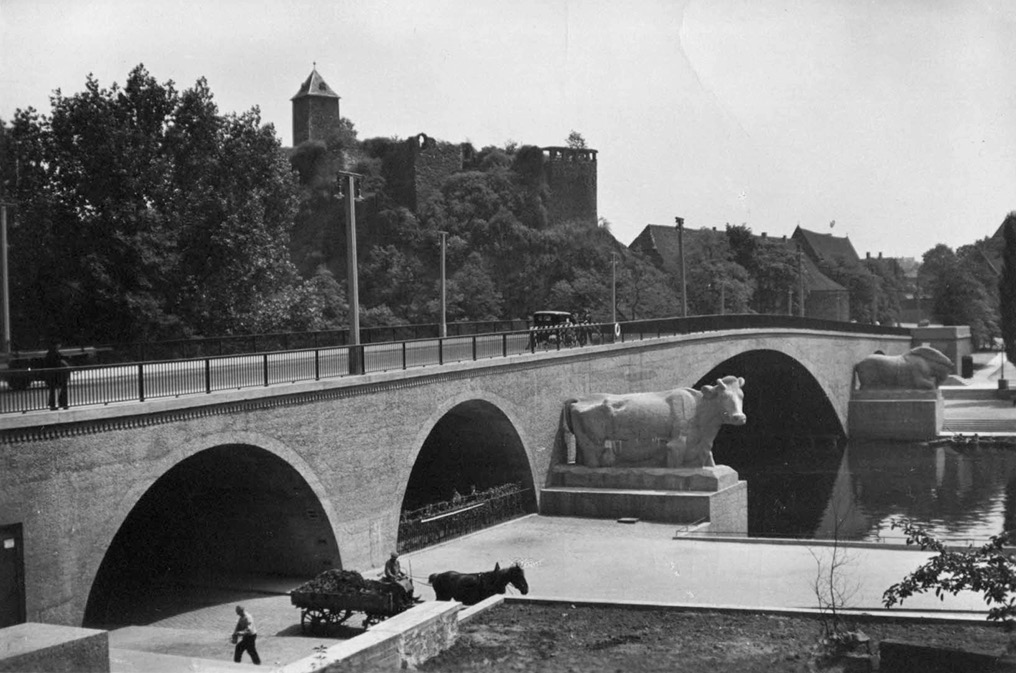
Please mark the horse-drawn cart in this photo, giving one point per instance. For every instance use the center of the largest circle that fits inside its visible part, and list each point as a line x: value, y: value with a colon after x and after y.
x: 333, y: 596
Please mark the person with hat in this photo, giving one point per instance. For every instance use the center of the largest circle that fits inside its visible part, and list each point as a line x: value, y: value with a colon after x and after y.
x: 394, y: 574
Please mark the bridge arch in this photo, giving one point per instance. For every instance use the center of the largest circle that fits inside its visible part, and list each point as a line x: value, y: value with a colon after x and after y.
x: 472, y: 440
x: 782, y: 396
x: 230, y: 509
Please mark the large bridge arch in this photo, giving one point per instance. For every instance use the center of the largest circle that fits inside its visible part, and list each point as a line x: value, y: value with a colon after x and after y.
x: 782, y: 397
x: 230, y: 509
x: 472, y: 440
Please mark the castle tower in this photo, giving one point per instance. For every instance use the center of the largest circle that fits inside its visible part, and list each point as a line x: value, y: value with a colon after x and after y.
x: 571, y: 176
x: 315, y: 110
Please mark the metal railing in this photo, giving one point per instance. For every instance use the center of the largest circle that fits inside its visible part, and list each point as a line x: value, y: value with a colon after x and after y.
x: 105, y: 384
x: 441, y: 521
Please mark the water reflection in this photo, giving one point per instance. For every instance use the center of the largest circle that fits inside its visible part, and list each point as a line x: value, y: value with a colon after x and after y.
x: 854, y: 491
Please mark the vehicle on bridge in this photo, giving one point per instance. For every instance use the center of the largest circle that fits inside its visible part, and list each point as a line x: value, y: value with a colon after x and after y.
x: 334, y: 595
x: 552, y: 328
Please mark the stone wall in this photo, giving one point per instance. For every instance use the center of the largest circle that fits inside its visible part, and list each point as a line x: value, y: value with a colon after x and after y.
x: 315, y: 118
x: 571, y: 178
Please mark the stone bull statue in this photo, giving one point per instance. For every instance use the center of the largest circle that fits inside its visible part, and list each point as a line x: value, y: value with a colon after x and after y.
x: 921, y: 368
x: 675, y: 428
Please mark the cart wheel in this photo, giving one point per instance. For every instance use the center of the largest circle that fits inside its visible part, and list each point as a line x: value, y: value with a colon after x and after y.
x: 311, y: 620
x: 340, y: 616
x: 371, y: 619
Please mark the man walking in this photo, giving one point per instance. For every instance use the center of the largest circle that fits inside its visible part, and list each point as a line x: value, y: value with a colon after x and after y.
x: 244, y: 636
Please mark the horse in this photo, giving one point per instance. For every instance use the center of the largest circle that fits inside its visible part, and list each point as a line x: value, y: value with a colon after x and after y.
x: 471, y: 588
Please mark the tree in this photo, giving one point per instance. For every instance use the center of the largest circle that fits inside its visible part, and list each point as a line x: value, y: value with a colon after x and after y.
x: 988, y: 570
x: 958, y: 297
x: 1007, y: 287
x: 576, y: 141
x: 144, y: 213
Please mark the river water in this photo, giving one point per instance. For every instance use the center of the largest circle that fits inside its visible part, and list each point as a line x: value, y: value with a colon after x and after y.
x: 855, y: 491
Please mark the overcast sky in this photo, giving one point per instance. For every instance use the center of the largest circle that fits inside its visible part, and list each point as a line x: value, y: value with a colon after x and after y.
x: 896, y: 119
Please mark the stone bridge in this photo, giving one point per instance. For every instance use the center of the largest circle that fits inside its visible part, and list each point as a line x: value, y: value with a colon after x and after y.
x: 294, y: 479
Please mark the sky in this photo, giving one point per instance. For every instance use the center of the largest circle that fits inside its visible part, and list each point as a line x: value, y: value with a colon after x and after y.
x: 892, y: 122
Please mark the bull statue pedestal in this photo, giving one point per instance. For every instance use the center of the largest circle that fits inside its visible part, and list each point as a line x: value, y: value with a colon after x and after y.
x: 900, y: 415
x: 706, y: 499
x: 649, y: 456
x: 898, y: 397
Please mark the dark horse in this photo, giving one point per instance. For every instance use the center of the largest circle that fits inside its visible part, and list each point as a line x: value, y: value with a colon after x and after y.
x: 471, y: 588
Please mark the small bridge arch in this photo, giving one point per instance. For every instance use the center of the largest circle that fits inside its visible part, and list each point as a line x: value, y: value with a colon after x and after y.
x: 231, y: 508
x: 471, y: 441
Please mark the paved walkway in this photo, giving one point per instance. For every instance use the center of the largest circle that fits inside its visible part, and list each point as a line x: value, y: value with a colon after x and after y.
x: 565, y: 559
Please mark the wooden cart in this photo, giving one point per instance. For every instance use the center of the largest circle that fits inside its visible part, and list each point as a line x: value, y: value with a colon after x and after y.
x: 376, y: 601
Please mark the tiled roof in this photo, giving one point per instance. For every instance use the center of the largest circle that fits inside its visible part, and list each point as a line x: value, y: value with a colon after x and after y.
x: 826, y: 247
x: 315, y: 85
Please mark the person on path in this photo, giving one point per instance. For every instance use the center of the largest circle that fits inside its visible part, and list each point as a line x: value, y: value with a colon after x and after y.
x: 244, y: 636
x: 57, y: 377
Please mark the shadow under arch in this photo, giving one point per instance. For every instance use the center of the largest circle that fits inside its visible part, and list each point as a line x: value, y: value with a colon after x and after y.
x: 215, y: 518
x: 790, y: 448
x: 474, y: 445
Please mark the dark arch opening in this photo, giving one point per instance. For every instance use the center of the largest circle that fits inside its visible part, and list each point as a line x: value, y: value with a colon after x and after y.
x: 790, y: 448
x: 474, y: 447
x: 222, y: 515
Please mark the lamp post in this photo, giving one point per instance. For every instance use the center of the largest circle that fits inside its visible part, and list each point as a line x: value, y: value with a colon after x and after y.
x: 613, y: 287
x: 680, y: 250
x: 347, y: 185
x: 5, y: 295
x: 800, y: 282
x: 444, y: 305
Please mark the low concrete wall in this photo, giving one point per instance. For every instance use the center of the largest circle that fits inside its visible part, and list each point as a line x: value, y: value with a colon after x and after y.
x: 55, y: 649
x: 403, y: 641
x: 955, y: 341
x: 904, y: 415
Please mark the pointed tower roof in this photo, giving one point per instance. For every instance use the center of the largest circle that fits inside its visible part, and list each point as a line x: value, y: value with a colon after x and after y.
x: 315, y: 85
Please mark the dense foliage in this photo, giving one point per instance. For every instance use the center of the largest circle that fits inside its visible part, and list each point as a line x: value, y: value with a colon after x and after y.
x: 1007, y: 287
x: 988, y: 570
x: 963, y: 289
x: 142, y: 212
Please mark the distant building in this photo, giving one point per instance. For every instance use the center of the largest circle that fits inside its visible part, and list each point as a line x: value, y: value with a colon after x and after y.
x: 570, y: 175
x: 421, y: 164
x: 826, y: 248
x: 824, y: 298
x: 315, y: 110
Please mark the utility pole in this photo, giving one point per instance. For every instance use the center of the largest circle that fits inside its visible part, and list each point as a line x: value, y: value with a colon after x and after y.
x: 5, y: 295
x: 613, y: 287
x: 800, y: 281
x: 352, y: 284
x: 680, y: 249
x: 444, y: 313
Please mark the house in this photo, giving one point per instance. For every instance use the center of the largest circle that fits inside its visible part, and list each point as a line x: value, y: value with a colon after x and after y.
x: 824, y: 298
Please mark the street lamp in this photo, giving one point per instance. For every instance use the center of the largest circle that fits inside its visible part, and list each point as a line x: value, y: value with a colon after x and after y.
x: 444, y: 305
x: 613, y: 287
x: 348, y: 189
x: 680, y: 250
x: 5, y: 295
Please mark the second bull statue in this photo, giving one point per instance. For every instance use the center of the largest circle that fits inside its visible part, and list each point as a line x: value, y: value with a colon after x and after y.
x: 673, y: 428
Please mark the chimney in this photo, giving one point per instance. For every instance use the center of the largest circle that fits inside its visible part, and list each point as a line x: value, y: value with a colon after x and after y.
x: 763, y: 234
x: 867, y: 255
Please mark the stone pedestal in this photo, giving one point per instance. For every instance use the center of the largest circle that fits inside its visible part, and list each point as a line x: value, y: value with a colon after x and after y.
x: 712, y: 495
x: 905, y: 415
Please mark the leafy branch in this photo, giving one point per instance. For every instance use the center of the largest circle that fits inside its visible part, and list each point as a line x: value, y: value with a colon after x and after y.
x: 988, y: 570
